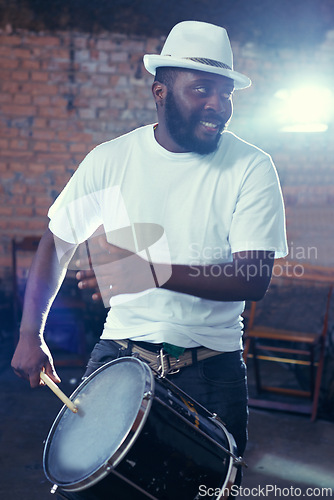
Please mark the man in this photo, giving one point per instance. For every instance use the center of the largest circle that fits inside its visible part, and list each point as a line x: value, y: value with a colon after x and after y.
x: 192, y: 218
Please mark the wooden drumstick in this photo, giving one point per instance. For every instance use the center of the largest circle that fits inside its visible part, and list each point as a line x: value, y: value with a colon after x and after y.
x: 54, y: 388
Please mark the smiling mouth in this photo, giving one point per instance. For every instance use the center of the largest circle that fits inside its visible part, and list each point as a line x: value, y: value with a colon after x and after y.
x: 210, y: 126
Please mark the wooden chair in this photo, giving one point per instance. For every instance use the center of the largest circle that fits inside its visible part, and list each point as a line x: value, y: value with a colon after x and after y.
x: 65, y: 328
x: 288, y: 328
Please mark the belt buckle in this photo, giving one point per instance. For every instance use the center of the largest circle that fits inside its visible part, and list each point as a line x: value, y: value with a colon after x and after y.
x: 161, y: 357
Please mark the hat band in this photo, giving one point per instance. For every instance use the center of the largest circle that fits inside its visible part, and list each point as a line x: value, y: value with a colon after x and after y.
x: 209, y: 62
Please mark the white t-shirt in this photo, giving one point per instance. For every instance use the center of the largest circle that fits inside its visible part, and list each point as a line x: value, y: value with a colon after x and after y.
x: 195, y: 210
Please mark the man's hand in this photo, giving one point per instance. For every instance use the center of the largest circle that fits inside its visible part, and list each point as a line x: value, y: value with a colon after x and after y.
x: 31, y: 356
x: 87, y: 279
x: 114, y: 271
x: 45, y: 277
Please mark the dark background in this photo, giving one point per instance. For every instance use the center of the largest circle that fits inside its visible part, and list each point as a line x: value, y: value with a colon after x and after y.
x: 282, y: 22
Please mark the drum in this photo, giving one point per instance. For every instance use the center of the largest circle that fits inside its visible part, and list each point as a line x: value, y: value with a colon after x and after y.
x: 138, y: 436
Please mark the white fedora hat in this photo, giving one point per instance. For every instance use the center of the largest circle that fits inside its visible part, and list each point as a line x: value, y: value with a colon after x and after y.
x: 200, y: 46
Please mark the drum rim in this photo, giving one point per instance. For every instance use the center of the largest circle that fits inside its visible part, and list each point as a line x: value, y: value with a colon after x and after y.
x: 128, y: 441
x: 232, y: 468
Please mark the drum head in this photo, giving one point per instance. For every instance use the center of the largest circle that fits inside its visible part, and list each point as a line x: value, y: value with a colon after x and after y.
x: 81, y: 446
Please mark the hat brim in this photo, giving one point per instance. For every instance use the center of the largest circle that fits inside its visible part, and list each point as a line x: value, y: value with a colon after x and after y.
x: 154, y: 61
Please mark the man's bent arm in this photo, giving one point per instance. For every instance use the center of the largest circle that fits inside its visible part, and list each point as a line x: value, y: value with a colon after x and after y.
x: 246, y: 278
x: 45, y: 278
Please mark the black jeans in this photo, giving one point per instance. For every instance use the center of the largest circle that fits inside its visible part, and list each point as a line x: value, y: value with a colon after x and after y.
x: 218, y: 383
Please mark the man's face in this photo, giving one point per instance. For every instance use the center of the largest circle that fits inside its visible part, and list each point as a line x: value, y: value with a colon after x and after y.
x: 197, y: 109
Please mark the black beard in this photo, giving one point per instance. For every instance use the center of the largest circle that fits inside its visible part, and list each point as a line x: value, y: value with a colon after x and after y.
x: 182, y: 130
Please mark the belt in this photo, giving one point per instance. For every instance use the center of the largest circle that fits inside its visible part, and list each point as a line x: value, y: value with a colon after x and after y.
x: 163, y: 362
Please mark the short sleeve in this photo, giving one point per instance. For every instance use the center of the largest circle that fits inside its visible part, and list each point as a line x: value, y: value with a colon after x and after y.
x: 258, y: 221
x: 75, y: 214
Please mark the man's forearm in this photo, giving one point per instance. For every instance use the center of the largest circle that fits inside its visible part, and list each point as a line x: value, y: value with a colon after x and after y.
x: 44, y: 281
x: 246, y: 278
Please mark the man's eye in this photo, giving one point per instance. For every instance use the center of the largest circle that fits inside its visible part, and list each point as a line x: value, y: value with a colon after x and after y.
x: 202, y: 90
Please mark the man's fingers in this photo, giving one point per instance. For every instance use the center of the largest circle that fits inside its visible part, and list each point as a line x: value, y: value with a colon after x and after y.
x: 86, y: 279
x: 81, y: 275
x: 51, y: 372
x: 20, y: 373
x: 96, y: 296
x: 87, y: 283
x: 34, y: 379
x: 34, y: 376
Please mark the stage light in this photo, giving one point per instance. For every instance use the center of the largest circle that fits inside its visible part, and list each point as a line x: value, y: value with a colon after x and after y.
x: 305, y: 109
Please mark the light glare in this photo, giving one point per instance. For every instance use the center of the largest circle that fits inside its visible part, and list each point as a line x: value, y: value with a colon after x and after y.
x: 306, y: 109
x: 292, y: 470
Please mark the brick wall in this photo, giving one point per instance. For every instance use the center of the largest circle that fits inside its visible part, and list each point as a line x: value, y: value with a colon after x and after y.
x: 62, y: 94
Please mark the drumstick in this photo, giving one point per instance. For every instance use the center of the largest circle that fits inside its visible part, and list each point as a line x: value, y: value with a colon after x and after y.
x: 54, y: 387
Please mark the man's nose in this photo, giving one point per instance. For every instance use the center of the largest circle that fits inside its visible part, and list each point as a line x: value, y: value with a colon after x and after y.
x: 216, y: 103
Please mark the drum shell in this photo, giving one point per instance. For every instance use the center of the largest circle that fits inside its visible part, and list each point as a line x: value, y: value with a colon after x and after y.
x: 178, y: 457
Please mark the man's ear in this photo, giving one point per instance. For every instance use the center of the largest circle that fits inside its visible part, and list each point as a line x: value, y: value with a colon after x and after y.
x: 159, y: 91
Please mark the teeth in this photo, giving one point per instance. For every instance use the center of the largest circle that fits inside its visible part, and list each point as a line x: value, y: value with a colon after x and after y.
x: 208, y: 124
